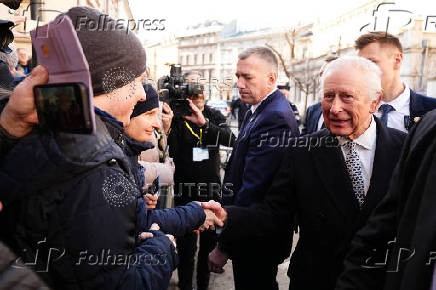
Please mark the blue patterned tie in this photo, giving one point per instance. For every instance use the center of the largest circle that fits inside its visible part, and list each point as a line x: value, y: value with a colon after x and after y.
x: 385, y: 109
x: 246, y: 120
x: 354, y: 168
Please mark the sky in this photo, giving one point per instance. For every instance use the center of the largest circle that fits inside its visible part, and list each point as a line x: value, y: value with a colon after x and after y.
x: 252, y: 14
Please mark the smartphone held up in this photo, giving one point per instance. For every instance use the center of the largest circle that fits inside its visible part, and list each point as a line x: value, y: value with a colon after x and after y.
x: 64, y: 104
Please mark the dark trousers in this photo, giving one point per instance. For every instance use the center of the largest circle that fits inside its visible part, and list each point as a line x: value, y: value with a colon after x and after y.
x: 186, y: 247
x: 256, y: 273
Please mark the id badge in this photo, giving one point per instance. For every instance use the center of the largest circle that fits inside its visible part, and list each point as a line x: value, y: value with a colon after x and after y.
x: 200, y: 154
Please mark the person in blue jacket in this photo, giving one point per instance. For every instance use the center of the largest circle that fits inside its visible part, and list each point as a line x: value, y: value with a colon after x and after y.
x: 72, y: 208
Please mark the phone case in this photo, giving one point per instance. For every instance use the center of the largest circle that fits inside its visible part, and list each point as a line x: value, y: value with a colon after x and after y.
x: 59, y: 50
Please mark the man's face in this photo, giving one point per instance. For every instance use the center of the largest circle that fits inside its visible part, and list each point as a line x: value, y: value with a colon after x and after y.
x: 255, y: 79
x: 197, y: 100
x: 346, y: 104
x: 387, y: 57
x: 22, y: 55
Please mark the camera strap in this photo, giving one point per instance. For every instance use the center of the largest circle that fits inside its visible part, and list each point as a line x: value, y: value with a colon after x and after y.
x: 195, y: 134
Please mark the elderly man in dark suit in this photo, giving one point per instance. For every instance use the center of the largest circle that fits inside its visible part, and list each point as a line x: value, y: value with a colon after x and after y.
x: 400, y: 107
x: 329, y: 182
x: 254, y: 163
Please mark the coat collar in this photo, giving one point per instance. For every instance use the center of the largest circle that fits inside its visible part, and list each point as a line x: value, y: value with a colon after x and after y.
x: 384, y: 156
x: 416, y: 106
x: 330, y: 165
x: 264, y: 103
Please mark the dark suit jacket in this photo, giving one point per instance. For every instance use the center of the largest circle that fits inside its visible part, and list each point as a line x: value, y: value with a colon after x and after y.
x: 419, y: 105
x: 313, y: 185
x: 313, y: 114
x: 253, y: 162
x: 406, y: 216
x: 255, y: 159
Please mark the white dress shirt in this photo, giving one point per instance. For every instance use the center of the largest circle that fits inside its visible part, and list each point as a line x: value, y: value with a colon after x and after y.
x: 401, y: 105
x: 365, y: 147
x: 320, y: 122
x: 254, y: 107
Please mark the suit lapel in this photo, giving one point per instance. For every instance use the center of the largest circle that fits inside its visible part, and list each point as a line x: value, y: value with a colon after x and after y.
x: 416, y: 107
x: 250, y: 122
x: 383, y: 158
x: 318, y: 114
x: 330, y: 164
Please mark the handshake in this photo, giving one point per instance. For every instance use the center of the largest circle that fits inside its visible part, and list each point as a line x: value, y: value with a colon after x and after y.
x: 215, y: 215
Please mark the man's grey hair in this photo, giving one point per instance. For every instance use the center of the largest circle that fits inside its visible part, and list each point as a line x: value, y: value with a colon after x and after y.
x: 370, y: 71
x: 263, y: 53
x: 11, y: 59
x: 191, y: 72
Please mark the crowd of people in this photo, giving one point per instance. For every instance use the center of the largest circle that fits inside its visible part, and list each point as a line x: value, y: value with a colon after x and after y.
x: 93, y: 211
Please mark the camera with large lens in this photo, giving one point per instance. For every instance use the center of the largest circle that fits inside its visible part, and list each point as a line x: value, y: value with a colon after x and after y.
x: 175, y: 90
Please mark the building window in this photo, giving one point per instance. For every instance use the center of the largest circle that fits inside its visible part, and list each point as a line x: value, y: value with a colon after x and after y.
x: 202, y: 59
x: 195, y: 59
x: 211, y: 58
x: 187, y: 60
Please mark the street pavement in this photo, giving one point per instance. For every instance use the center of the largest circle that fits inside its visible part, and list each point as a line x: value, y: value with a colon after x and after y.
x: 225, y: 281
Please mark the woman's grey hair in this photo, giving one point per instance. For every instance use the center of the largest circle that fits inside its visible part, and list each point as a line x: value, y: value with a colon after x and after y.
x: 263, y: 53
x: 371, y: 72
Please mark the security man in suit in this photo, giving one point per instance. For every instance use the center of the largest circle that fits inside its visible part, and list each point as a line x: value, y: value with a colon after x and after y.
x: 400, y: 107
x: 253, y: 164
x: 329, y: 182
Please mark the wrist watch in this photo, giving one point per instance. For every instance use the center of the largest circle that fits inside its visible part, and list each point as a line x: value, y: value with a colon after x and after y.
x: 206, y: 124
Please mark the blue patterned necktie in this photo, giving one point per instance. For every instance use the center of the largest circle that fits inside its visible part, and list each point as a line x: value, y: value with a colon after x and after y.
x: 352, y: 161
x: 246, y: 120
x: 385, y: 109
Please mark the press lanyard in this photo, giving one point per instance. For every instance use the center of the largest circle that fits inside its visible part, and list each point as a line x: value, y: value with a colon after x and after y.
x: 195, y: 134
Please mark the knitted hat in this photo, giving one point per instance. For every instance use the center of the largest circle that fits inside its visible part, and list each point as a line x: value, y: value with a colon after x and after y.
x: 151, y: 102
x: 114, y: 54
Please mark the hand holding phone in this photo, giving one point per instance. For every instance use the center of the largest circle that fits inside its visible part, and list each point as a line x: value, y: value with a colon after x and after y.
x: 64, y: 107
x: 65, y: 103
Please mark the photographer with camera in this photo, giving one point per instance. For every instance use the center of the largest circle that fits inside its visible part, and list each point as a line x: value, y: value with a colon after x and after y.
x: 194, y: 143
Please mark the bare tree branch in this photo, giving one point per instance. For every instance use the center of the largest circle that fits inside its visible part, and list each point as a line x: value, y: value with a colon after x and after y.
x: 282, y: 60
x: 291, y: 42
